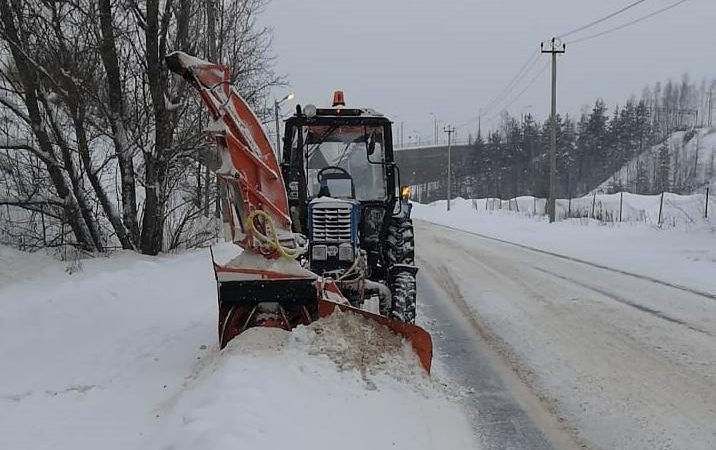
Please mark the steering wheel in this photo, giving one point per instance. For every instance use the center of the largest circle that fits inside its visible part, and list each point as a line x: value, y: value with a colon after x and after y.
x: 342, y: 174
x: 319, y: 175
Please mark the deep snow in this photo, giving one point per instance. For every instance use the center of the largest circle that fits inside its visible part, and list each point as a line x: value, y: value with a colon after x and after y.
x: 123, y: 355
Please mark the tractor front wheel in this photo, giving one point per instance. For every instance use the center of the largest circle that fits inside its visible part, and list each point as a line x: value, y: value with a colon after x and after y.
x: 403, y: 290
x: 400, y: 255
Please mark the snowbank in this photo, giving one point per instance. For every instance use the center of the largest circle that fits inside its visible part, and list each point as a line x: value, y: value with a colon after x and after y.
x: 340, y: 383
x: 671, y: 255
x: 16, y: 266
x: 86, y: 357
x: 123, y: 355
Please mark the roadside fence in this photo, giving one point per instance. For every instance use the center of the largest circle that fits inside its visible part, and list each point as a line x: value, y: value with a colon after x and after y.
x: 663, y: 210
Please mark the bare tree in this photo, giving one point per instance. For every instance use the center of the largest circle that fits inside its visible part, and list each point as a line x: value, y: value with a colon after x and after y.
x: 114, y: 141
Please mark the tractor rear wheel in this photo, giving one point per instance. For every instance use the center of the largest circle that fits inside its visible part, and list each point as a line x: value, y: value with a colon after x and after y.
x: 400, y: 251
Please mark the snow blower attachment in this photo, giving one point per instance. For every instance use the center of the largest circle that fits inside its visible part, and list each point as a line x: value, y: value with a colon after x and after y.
x: 358, y: 254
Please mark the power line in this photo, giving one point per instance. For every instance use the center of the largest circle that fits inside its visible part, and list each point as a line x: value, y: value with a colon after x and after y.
x: 529, y: 85
x: 598, y: 21
x: 507, y: 90
x: 624, y: 25
x: 534, y: 57
x: 526, y: 67
x: 516, y: 79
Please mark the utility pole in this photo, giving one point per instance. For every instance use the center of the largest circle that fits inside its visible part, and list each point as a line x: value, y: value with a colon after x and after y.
x: 449, y: 130
x: 711, y: 91
x: 278, y: 131
x: 435, y: 128
x: 435, y: 125
x: 555, y: 48
x: 276, y: 109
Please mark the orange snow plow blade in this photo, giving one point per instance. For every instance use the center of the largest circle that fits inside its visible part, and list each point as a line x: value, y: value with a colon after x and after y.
x: 251, y: 297
x: 420, y: 339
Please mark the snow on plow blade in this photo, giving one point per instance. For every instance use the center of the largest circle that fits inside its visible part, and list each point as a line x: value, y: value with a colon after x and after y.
x: 251, y: 297
x: 419, y: 339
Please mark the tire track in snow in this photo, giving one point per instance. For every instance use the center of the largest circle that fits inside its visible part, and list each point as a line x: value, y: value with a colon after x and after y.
x: 513, y: 416
x: 582, y: 261
x: 624, y: 377
x: 622, y: 300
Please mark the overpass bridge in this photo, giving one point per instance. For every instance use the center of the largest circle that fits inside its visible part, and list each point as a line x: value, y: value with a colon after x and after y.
x: 428, y: 164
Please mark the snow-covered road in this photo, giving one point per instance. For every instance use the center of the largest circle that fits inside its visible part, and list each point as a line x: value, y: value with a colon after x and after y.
x: 621, y: 361
x: 504, y: 413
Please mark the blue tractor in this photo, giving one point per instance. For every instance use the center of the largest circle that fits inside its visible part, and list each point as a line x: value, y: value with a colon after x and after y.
x: 345, y: 196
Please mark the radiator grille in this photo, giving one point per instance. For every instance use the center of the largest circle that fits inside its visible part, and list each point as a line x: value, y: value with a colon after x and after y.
x: 331, y: 223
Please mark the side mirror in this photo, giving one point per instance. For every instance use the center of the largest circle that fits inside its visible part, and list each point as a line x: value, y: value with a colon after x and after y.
x: 371, y: 144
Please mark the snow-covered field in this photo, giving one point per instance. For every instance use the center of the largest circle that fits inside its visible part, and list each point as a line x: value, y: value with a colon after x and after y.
x: 123, y: 355
x: 681, y: 256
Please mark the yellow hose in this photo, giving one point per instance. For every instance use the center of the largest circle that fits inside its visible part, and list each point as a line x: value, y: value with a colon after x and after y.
x: 274, y: 244
x: 351, y: 268
x: 272, y: 241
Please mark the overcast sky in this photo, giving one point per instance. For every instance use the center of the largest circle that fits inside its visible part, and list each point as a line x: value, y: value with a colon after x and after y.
x: 451, y: 57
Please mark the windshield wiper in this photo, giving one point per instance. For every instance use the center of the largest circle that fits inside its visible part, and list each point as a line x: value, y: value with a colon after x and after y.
x: 345, y: 150
x: 330, y: 130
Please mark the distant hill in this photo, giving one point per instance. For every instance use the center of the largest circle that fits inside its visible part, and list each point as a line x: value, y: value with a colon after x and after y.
x: 687, y: 156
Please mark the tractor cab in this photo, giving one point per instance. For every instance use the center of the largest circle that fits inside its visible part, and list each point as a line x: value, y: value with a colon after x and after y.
x: 340, y: 153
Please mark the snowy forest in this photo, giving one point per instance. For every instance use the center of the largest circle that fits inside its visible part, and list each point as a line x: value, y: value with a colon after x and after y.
x: 513, y: 160
x: 99, y: 144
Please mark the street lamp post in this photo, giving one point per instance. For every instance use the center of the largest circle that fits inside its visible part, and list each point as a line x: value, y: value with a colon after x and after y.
x: 449, y: 130
x: 435, y: 127
x: 277, y: 108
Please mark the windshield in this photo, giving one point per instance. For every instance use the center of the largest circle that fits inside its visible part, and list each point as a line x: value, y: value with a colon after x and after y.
x: 345, y: 147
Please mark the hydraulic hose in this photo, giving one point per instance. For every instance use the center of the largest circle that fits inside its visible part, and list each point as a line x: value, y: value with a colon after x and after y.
x: 271, y: 241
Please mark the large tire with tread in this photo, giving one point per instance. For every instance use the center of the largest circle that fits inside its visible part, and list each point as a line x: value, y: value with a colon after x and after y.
x: 400, y: 250
x: 400, y: 241
x: 403, y: 290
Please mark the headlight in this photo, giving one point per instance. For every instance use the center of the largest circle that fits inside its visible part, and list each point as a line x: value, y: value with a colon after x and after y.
x: 319, y: 252
x: 309, y: 110
x: 345, y: 252
x: 405, y: 192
